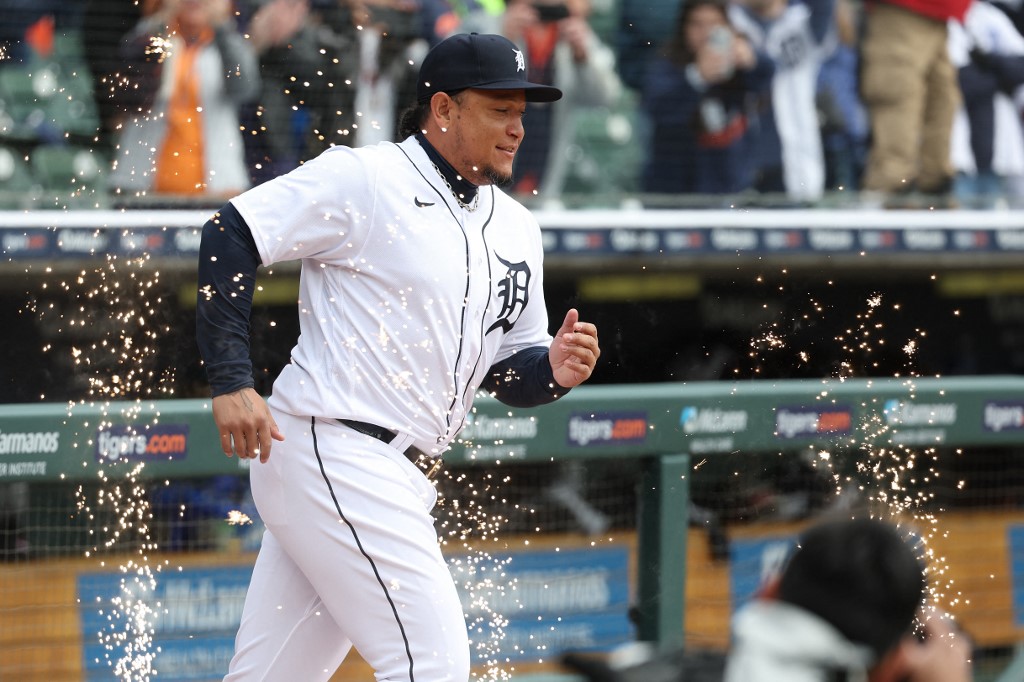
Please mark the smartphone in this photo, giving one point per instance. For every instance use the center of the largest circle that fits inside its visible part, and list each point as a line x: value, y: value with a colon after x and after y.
x: 548, y: 12
x: 721, y: 39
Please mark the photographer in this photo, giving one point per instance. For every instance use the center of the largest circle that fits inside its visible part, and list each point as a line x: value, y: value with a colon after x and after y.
x: 844, y: 608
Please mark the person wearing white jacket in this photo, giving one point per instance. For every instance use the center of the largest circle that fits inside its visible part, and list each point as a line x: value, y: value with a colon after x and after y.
x: 987, y: 143
x: 187, y: 141
x: 844, y: 608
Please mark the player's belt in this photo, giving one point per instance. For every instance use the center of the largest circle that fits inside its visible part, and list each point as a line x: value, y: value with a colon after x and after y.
x: 430, y: 465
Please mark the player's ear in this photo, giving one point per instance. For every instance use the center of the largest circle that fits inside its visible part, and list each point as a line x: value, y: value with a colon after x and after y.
x: 441, y: 106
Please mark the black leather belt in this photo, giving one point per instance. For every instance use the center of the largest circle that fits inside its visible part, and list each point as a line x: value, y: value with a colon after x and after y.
x: 430, y: 465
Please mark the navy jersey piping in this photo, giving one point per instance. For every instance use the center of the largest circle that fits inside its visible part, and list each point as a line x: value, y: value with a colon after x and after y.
x: 359, y: 544
x: 483, y: 320
x: 465, y: 294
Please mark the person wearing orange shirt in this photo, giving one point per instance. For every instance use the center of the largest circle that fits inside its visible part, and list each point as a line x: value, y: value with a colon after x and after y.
x: 187, y: 141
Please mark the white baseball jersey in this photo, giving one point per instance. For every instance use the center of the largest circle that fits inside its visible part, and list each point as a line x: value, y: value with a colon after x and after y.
x: 990, y: 30
x: 405, y: 299
x: 798, y: 57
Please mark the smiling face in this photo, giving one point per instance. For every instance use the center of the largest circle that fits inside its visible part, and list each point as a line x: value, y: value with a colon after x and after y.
x: 479, y: 132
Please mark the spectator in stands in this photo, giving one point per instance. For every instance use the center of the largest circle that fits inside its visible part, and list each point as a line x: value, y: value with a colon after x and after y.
x: 391, y: 45
x: 844, y: 607
x: 640, y: 32
x: 27, y: 28
x: 910, y: 89
x: 560, y: 49
x: 117, y: 86
x: 289, y: 59
x: 843, y: 120
x: 639, y: 35
x: 442, y: 18
x: 372, y: 50
x: 188, y: 142
x: 988, y: 52
x: 699, y: 97
x: 797, y: 35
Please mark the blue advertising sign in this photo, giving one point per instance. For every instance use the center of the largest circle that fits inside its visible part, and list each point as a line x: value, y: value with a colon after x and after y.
x: 754, y: 562
x: 549, y: 601
x: 1015, y: 542
x: 196, y: 612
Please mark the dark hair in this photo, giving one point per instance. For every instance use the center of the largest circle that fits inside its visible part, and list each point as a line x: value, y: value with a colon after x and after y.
x: 862, y: 575
x: 676, y: 50
x: 414, y: 118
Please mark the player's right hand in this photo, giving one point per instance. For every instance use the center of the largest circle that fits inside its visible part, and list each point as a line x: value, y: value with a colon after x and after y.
x: 245, y: 424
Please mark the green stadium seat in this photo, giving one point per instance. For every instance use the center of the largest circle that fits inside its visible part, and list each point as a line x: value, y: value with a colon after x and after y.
x: 24, y: 95
x: 14, y: 171
x: 47, y: 100
x: 17, y: 185
x: 606, y: 154
x: 73, y: 115
x: 70, y: 175
x: 73, y: 109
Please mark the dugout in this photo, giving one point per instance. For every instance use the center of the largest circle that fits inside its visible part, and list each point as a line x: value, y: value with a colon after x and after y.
x: 715, y: 313
x: 663, y: 571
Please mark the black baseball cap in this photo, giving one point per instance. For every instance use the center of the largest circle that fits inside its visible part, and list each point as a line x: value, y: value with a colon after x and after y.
x: 480, y: 61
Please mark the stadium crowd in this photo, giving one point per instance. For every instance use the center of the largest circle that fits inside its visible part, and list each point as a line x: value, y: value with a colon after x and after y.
x: 896, y: 103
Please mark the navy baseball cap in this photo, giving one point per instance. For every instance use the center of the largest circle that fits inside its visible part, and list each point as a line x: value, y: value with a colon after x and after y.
x: 480, y: 61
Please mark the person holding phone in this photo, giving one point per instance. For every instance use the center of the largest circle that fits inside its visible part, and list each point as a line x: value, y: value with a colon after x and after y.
x: 698, y: 95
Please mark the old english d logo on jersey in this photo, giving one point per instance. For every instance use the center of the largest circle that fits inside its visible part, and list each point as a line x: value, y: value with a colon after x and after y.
x: 513, y: 290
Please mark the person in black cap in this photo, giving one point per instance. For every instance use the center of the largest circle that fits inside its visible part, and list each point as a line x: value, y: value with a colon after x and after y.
x: 848, y: 606
x: 845, y: 607
x: 421, y: 284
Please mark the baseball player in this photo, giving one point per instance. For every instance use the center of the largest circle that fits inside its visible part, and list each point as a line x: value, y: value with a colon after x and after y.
x: 421, y: 284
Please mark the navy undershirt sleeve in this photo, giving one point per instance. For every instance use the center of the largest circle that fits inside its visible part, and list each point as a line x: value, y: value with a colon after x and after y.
x: 524, y: 379
x: 228, y: 260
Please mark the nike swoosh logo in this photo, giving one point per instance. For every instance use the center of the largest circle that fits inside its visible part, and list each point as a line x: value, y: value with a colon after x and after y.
x: 422, y: 204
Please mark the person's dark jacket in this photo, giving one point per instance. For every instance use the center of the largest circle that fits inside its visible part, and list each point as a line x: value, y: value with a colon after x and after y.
x: 700, y: 134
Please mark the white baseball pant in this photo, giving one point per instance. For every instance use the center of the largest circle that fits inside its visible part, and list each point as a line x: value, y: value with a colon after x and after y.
x: 350, y: 558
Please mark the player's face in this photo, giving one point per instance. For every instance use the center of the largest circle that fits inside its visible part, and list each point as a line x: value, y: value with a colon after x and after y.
x: 488, y: 129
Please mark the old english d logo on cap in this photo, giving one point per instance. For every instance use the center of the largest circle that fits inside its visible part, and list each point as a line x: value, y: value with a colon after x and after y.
x: 478, y: 61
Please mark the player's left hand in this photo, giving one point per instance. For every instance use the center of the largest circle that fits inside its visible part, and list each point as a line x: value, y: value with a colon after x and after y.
x: 574, y: 351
